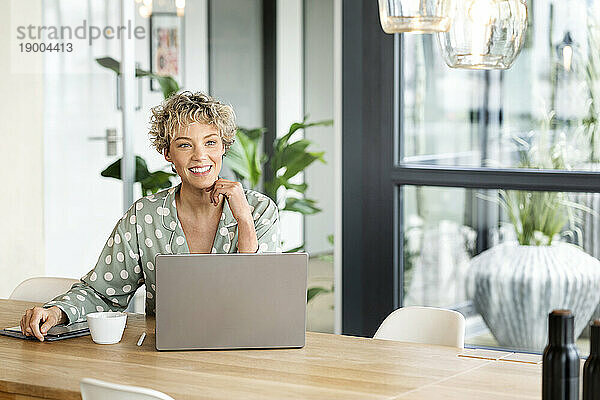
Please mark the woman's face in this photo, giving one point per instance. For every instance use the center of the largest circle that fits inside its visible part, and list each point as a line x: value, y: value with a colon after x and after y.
x: 197, y: 153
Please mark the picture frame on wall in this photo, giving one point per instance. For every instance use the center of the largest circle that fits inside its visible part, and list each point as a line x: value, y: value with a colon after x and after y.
x: 166, y: 47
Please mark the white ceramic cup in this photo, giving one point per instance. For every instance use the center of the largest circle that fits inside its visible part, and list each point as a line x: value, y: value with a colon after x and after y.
x: 106, y: 327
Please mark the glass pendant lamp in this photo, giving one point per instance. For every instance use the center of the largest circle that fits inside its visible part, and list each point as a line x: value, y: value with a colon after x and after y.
x: 485, y: 34
x: 419, y: 16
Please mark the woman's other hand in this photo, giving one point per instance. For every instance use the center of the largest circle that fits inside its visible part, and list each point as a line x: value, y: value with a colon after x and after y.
x: 48, y: 317
x: 234, y: 192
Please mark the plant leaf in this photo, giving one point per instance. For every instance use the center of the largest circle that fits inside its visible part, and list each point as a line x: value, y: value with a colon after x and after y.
x: 293, y: 168
x: 295, y: 249
x: 250, y: 145
x: 114, y: 65
x: 243, y: 156
x: 114, y: 170
x: 110, y: 63
x: 290, y: 153
x: 156, y: 181
x: 303, y: 205
x: 253, y: 134
x: 315, y: 291
x: 271, y: 186
x: 300, y: 188
x: 236, y: 160
x: 168, y: 85
x: 282, y: 142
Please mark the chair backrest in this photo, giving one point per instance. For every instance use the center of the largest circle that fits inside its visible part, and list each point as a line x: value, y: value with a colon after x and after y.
x: 41, y: 289
x: 94, y: 389
x: 424, y: 325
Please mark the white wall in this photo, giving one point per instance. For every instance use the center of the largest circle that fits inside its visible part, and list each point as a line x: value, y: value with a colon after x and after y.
x: 318, y: 104
x: 290, y: 97
x: 21, y: 106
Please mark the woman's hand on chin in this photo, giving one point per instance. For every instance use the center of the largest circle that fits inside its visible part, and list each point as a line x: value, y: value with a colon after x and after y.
x: 234, y: 192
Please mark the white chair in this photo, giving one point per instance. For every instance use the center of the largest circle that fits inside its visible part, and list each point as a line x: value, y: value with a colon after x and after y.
x: 94, y: 389
x: 41, y: 289
x: 424, y: 325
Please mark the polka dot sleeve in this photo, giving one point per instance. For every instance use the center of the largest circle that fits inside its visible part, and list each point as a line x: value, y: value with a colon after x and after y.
x: 266, y: 224
x: 113, y: 281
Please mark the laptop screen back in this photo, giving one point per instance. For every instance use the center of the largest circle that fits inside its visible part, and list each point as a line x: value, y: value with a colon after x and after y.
x: 230, y: 301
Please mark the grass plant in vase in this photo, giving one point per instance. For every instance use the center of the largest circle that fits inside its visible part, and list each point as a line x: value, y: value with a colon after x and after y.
x: 515, y: 284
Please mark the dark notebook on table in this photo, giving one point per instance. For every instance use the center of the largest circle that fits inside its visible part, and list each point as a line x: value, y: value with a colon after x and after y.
x: 57, y: 332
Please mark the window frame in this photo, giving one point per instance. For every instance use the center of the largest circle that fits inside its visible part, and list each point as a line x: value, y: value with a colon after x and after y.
x: 373, y: 174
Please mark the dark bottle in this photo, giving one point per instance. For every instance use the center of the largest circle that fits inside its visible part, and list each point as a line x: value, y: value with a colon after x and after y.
x: 560, y: 368
x: 591, y: 369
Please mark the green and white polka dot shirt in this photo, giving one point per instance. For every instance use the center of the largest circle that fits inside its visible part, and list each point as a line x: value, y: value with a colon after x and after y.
x: 148, y: 228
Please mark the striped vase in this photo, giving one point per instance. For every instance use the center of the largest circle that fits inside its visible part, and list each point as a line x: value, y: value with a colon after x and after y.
x: 514, y: 288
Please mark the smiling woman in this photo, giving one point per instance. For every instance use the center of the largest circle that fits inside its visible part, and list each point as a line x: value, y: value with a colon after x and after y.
x: 203, y: 214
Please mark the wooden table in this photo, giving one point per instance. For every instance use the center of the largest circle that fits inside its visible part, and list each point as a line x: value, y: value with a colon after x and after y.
x: 329, y: 367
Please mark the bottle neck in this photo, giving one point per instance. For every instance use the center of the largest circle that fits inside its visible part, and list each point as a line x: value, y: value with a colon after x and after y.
x: 560, y: 330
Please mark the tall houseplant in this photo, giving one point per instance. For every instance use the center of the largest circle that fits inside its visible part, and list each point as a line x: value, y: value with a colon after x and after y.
x: 288, y: 159
x: 514, y: 285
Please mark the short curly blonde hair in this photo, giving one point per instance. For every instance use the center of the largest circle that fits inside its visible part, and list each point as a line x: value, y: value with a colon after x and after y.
x: 182, y: 109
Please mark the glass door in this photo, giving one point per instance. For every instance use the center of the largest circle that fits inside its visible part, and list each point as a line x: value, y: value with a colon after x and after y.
x: 81, y: 130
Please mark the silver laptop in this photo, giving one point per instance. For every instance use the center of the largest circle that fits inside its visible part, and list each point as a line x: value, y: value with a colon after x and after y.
x: 230, y: 301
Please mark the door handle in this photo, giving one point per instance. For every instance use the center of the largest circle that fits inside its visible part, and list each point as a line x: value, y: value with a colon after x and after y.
x: 111, y: 139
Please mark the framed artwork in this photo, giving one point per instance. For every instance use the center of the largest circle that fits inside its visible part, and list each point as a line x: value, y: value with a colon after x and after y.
x: 166, y: 47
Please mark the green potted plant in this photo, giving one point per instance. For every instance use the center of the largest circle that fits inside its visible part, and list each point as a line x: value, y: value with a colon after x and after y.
x: 287, y: 160
x: 515, y: 284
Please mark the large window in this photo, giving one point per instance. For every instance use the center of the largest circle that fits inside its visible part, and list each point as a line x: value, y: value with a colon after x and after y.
x: 548, y: 100
x: 510, y: 281
x: 468, y: 140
